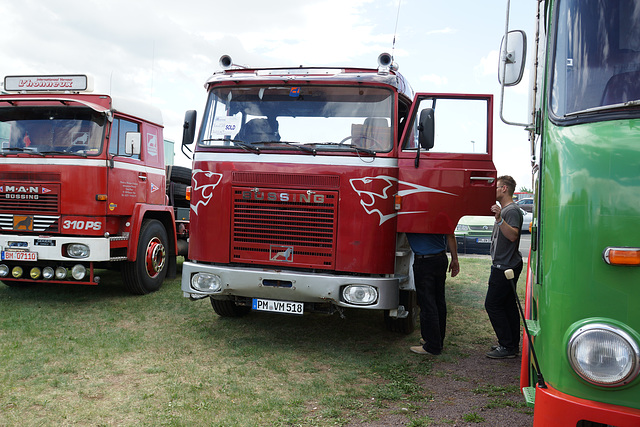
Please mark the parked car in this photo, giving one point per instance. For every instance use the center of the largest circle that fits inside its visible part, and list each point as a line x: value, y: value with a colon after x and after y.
x: 527, y: 217
x: 526, y: 204
x: 473, y: 234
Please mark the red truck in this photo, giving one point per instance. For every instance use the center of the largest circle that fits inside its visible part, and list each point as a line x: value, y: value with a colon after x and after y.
x: 305, y: 181
x: 83, y: 186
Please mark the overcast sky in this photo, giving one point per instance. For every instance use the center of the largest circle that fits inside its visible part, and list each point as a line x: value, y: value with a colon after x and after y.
x: 162, y: 51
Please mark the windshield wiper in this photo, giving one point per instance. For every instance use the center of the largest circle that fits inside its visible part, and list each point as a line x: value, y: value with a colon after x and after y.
x: 20, y: 150
x: 634, y: 103
x: 239, y: 143
x: 355, y: 148
x: 292, y: 144
x: 66, y: 153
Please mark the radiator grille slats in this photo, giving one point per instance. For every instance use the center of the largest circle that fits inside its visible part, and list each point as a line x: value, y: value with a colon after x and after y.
x: 295, y: 227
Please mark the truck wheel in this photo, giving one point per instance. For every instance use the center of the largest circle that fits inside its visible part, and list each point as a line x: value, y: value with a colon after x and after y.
x: 147, y: 273
x: 407, y: 325
x: 228, y: 308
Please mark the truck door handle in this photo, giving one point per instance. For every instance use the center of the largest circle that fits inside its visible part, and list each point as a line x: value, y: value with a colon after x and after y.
x: 489, y: 179
x: 142, y: 176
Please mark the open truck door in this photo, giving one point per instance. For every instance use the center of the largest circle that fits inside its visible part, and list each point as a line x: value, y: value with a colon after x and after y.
x: 445, y: 162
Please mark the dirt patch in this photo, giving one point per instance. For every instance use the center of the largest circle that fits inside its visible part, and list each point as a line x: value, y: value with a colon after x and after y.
x: 467, y: 391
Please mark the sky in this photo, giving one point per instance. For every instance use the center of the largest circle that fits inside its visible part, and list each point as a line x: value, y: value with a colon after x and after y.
x: 162, y: 51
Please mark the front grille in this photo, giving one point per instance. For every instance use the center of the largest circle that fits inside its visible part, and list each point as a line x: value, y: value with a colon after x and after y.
x: 292, y: 227
x: 29, y: 198
x: 44, y: 204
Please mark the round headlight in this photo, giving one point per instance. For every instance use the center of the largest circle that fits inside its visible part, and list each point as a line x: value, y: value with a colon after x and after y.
x: 4, y: 270
x: 360, y: 294
x: 48, y: 273
x: 16, y: 272
x: 206, y: 282
x: 35, y: 273
x: 604, y: 355
x: 61, y: 273
x: 78, y: 271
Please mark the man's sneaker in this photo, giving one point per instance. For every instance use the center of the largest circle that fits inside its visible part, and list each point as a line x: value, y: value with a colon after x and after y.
x: 418, y: 349
x: 497, y: 346
x: 501, y: 353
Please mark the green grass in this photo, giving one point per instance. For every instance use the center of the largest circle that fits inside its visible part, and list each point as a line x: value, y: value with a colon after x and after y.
x: 99, y: 356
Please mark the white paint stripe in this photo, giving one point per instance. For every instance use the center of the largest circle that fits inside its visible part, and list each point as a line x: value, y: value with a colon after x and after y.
x: 302, y: 159
x: 78, y: 162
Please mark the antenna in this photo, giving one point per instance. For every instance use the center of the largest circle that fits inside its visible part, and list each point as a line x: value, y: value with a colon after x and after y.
x: 395, y: 31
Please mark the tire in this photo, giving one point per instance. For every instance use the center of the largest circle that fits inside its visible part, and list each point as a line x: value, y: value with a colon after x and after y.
x: 179, y: 174
x: 409, y: 300
x: 147, y: 273
x: 179, y: 195
x: 228, y: 308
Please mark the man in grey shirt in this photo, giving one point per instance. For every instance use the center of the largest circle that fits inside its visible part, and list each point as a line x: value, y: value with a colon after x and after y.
x: 500, y: 301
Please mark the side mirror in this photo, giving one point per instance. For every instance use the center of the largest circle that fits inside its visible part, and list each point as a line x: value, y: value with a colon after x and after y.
x: 132, y: 143
x: 426, y: 129
x: 189, y: 127
x: 513, y: 54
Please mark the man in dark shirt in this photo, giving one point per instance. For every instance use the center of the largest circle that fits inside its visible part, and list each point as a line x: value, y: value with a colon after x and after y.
x: 429, y: 272
x: 500, y: 301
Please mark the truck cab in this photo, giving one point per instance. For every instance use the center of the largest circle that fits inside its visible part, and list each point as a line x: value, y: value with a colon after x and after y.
x: 306, y: 179
x: 82, y: 185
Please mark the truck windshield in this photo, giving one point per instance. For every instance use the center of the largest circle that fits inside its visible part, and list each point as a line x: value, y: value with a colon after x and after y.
x: 51, y: 130
x: 597, y: 55
x: 316, y: 117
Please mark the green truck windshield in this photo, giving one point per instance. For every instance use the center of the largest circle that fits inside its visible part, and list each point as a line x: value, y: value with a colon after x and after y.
x: 596, y: 55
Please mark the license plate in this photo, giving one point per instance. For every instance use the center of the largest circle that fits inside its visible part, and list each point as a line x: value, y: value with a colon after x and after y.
x: 19, y: 256
x: 287, y: 307
x: 483, y: 240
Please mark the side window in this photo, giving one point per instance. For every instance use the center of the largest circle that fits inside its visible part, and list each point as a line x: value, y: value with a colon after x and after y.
x: 460, y: 126
x: 119, y: 129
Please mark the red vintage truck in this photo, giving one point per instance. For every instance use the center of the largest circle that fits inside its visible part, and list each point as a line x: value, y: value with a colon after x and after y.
x: 305, y: 181
x: 83, y: 186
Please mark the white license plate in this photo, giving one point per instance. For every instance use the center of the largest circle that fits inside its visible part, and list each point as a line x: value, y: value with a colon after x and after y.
x: 19, y: 256
x: 483, y: 240
x: 274, y: 306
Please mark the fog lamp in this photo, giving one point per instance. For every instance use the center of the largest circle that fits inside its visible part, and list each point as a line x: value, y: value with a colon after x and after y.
x: 61, y: 273
x: 78, y: 271
x: 604, y: 355
x: 77, y: 250
x: 48, y: 273
x: 360, y: 294
x: 4, y: 270
x: 35, y: 273
x: 206, y: 282
x: 16, y: 272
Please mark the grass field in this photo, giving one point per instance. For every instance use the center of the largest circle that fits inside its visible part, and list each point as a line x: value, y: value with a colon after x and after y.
x: 73, y: 355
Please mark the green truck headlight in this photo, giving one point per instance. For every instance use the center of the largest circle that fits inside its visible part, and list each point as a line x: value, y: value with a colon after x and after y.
x: 604, y: 355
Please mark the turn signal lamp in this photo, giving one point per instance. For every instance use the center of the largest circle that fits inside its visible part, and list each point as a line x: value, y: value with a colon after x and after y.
x: 188, y: 195
x: 398, y: 201
x: 101, y: 197
x: 622, y: 256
